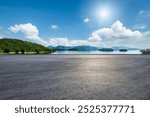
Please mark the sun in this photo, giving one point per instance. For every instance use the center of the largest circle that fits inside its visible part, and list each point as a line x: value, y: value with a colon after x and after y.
x: 104, y: 14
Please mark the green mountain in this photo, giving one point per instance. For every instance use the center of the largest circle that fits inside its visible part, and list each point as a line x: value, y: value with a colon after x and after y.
x: 74, y: 48
x: 18, y: 46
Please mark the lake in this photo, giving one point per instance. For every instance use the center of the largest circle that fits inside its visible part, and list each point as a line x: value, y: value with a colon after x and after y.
x: 97, y: 52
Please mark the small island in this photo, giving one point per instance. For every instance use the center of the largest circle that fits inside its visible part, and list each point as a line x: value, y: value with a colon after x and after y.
x: 123, y: 50
x: 106, y: 49
x: 146, y: 51
x: 15, y: 46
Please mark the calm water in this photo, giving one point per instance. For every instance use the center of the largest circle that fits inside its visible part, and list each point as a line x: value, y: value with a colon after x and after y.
x: 98, y: 52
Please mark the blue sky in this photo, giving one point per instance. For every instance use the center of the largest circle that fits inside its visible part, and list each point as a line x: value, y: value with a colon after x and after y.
x: 77, y: 22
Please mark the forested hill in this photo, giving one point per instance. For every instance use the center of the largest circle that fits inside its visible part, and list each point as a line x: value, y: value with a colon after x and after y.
x: 18, y: 46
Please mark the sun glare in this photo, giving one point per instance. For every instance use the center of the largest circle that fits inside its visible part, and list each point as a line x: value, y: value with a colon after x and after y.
x: 104, y: 13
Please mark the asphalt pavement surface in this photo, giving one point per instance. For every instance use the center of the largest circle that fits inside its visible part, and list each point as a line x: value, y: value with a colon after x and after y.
x: 75, y: 77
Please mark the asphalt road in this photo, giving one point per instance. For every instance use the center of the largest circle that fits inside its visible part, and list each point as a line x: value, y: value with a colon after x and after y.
x: 75, y: 77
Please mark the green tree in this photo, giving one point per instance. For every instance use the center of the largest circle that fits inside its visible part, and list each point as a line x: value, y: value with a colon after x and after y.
x: 13, y: 45
x: 6, y: 50
x: 37, y: 51
x: 1, y: 51
x: 22, y: 52
x: 17, y: 51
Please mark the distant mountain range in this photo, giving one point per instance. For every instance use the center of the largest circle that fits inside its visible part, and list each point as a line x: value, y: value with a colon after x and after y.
x: 88, y: 48
x: 74, y: 48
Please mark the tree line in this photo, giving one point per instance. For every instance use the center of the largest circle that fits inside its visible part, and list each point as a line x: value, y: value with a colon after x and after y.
x: 8, y: 45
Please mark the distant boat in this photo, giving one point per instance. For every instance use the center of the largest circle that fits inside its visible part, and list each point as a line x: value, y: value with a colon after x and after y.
x: 123, y: 50
x: 106, y: 49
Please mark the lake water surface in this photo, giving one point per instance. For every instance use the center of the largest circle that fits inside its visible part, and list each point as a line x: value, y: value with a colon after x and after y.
x: 97, y: 52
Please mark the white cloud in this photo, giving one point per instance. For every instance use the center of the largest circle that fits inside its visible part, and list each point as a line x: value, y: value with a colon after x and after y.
x: 59, y: 41
x: 86, y: 20
x: 118, y: 35
x: 30, y: 31
x: 116, y: 31
x: 139, y: 26
x: 115, y: 35
x: 54, y: 26
x: 146, y: 34
x: 66, y: 42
